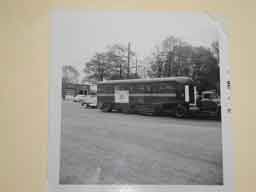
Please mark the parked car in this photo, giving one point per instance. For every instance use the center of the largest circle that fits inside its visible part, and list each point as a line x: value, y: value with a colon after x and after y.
x: 69, y: 97
x: 89, y: 101
x: 79, y: 98
x: 210, y: 103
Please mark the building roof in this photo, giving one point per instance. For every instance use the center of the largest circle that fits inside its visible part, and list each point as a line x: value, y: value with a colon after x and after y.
x: 179, y: 79
x: 73, y: 85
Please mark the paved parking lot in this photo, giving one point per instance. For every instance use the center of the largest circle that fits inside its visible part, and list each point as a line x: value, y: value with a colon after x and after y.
x: 116, y: 148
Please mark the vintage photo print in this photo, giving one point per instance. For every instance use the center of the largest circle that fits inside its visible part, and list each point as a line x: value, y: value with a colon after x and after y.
x: 139, y: 101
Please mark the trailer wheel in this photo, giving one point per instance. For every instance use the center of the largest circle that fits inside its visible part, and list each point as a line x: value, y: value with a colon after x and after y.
x: 106, y: 107
x: 219, y: 114
x: 157, y: 109
x: 127, y: 109
x: 124, y: 109
x: 180, y: 111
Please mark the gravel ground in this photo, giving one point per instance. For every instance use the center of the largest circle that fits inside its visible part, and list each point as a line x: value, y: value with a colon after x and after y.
x: 116, y: 148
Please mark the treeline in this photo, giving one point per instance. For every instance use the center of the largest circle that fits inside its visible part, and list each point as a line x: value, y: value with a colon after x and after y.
x: 116, y: 62
x: 70, y: 74
x: 172, y: 57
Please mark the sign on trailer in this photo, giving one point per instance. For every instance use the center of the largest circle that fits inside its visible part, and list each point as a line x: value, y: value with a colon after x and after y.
x: 121, y: 96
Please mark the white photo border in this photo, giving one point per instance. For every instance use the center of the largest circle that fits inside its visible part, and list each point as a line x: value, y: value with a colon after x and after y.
x: 54, y: 129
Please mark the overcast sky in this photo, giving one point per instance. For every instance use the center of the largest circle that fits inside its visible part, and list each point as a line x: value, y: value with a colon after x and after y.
x: 78, y: 36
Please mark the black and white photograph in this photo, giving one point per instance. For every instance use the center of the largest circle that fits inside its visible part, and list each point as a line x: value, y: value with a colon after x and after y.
x: 139, y: 99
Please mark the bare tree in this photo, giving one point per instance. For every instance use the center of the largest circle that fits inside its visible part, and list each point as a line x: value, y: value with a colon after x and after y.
x: 174, y: 57
x: 70, y: 74
x: 216, y: 50
x: 98, y: 67
x: 111, y: 64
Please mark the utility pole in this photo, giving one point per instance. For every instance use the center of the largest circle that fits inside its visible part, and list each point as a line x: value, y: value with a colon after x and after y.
x: 136, y: 66
x: 128, y: 60
x: 171, y: 58
x: 102, y: 70
x: 120, y: 71
x: 144, y: 72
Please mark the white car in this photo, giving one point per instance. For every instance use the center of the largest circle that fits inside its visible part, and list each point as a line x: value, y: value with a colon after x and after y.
x: 69, y: 97
x: 89, y: 101
x: 79, y: 98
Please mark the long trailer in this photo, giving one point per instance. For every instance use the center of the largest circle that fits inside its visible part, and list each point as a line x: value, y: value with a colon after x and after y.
x: 176, y: 95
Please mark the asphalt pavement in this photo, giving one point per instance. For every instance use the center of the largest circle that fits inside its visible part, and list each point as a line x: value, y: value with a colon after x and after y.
x: 116, y: 148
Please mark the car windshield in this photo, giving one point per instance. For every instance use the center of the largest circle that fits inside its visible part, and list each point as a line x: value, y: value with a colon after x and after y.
x: 92, y: 93
x: 210, y: 96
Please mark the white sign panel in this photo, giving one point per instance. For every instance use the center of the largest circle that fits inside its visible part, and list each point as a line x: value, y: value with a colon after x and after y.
x: 121, y: 96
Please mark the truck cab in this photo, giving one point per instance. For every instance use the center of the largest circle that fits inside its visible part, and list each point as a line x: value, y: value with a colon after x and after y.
x: 209, y: 103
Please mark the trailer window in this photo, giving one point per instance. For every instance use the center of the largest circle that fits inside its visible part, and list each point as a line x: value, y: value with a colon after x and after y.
x: 148, y: 88
x: 210, y: 96
x: 99, y: 89
x: 166, y: 87
x: 117, y: 87
x: 107, y: 89
x: 122, y: 87
x: 138, y: 88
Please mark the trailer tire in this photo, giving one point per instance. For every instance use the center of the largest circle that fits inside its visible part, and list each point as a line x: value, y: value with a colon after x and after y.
x: 219, y: 113
x: 180, y: 111
x: 157, y: 109
x: 125, y: 109
x: 106, y: 107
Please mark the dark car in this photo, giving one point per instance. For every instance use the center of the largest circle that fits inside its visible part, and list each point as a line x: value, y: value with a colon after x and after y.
x: 209, y: 103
